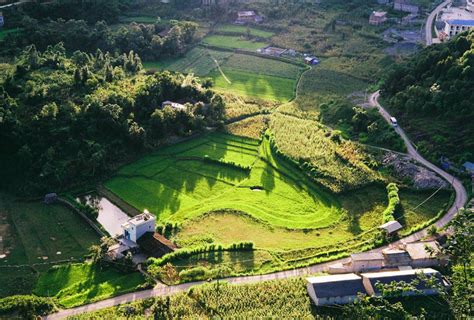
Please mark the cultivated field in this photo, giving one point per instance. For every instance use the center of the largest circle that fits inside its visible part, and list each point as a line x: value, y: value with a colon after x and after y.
x: 239, y: 74
x: 233, y: 42
x: 243, y: 30
x: 224, y: 172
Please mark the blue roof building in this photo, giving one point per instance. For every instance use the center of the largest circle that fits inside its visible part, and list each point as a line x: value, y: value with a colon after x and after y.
x: 469, y: 167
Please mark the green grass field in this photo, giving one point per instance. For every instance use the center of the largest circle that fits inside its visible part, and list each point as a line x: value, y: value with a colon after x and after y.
x: 287, y: 199
x: 233, y: 42
x: 230, y: 28
x: 77, y: 284
x: 249, y: 84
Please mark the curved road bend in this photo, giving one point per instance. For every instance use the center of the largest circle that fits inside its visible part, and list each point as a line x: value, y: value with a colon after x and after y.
x: 430, y: 20
x: 163, y: 290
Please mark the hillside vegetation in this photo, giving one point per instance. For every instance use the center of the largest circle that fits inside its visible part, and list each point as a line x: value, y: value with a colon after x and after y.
x: 433, y: 97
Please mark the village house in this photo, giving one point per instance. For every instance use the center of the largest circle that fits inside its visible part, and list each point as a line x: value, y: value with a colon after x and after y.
x: 406, y: 6
x: 174, y: 105
x: 377, y: 18
x: 338, y: 289
x: 391, y: 227
x: 136, y: 227
x: 272, y: 51
x: 421, y: 254
x: 311, y: 60
x: 454, y: 27
x: 344, y: 288
x: 244, y: 17
x: 372, y: 280
x: 469, y: 167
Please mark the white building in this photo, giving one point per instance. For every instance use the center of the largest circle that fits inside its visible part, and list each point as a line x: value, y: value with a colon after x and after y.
x: 136, y: 227
x: 174, y: 105
x: 456, y: 26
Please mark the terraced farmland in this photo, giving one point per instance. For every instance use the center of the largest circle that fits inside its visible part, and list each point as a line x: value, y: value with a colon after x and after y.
x: 223, y: 171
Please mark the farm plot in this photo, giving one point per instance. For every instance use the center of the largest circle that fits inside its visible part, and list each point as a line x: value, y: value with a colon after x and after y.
x: 224, y: 172
x: 233, y: 42
x: 249, y: 84
x: 243, y: 30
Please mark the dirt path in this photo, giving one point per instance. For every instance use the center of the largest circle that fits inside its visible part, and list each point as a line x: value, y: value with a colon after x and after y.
x: 461, y: 199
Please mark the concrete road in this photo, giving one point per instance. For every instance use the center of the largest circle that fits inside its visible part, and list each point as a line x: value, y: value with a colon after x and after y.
x: 162, y: 290
x: 461, y: 194
x: 430, y: 20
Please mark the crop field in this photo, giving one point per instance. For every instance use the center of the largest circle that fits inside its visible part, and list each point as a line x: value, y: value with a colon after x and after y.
x: 250, y: 84
x: 77, y: 284
x: 270, y: 191
x: 230, y: 28
x: 245, y: 75
x: 233, y: 42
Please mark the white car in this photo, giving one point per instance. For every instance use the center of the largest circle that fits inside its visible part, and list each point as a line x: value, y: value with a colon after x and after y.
x: 394, y: 122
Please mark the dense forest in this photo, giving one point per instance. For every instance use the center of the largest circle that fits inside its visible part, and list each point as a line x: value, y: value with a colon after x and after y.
x: 65, y: 119
x: 432, y: 94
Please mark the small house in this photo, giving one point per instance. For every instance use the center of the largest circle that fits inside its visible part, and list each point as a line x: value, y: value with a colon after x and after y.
x: 391, y: 227
x: 372, y: 280
x: 366, y: 261
x: 469, y: 167
x: 122, y: 248
x: 273, y: 51
x: 249, y: 16
x: 136, y: 227
x: 424, y: 254
x: 406, y: 6
x: 50, y: 198
x: 311, y: 60
x: 335, y: 289
x: 174, y: 105
x: 377, y: 18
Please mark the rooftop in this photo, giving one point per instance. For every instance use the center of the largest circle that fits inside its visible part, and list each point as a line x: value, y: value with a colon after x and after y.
x: 363, y: 256
x: 461, y: 22
x: 406, y: 276
x: 417, y: 250
x: 337, y: 285
x: 140, y: 219
x: 391, y: 226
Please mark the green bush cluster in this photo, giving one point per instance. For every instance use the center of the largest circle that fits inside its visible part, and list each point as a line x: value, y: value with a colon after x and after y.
x: 168, y: 229
x: 203, y: 273
x: 186, y: 253
x: 393, y: 203
x: 26, y: 306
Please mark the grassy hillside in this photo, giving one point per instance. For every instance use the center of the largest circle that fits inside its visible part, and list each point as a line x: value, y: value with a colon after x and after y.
x: 432, y: 96
x: 77, y: 284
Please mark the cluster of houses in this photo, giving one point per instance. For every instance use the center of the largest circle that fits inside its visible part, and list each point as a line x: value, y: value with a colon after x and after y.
x: 454, y: 20
x: 364, y: 271
x: 380, y: 17
x: 345, y: 288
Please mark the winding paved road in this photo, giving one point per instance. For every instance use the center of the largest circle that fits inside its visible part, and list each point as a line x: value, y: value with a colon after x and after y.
x: 430, y: 20
x: 162, y: 290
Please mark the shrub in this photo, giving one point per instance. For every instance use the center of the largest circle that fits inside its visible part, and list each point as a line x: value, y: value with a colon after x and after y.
x: 27, y: 306
x: 393, y: 203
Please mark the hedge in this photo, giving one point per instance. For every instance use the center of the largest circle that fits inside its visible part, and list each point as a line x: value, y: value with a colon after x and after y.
x: 393, y: 203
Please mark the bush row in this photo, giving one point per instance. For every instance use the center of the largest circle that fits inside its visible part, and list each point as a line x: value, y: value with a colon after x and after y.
x: 26, y: 306
x: 186, y: 253
x: 393, y: 203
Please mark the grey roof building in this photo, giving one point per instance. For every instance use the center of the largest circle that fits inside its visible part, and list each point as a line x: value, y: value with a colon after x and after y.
x: 335, y: 289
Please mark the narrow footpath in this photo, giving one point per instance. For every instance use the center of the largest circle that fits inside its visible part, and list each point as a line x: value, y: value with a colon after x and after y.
x: 161, y: 290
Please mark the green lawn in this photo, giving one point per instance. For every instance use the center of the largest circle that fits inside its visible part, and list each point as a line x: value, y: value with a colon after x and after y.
x: 78, y: 284
x: 249, y: 84
x: 230, y: 28
x: 158, y: 184
x: 233, y: 42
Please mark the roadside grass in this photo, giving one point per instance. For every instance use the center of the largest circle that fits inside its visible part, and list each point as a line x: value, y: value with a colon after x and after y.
x: 233, y: 42
x: 78, y: 284
x: 283, y: 197
x: 282, y: 299
x: 250, y: 84
x: 242, y: 30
